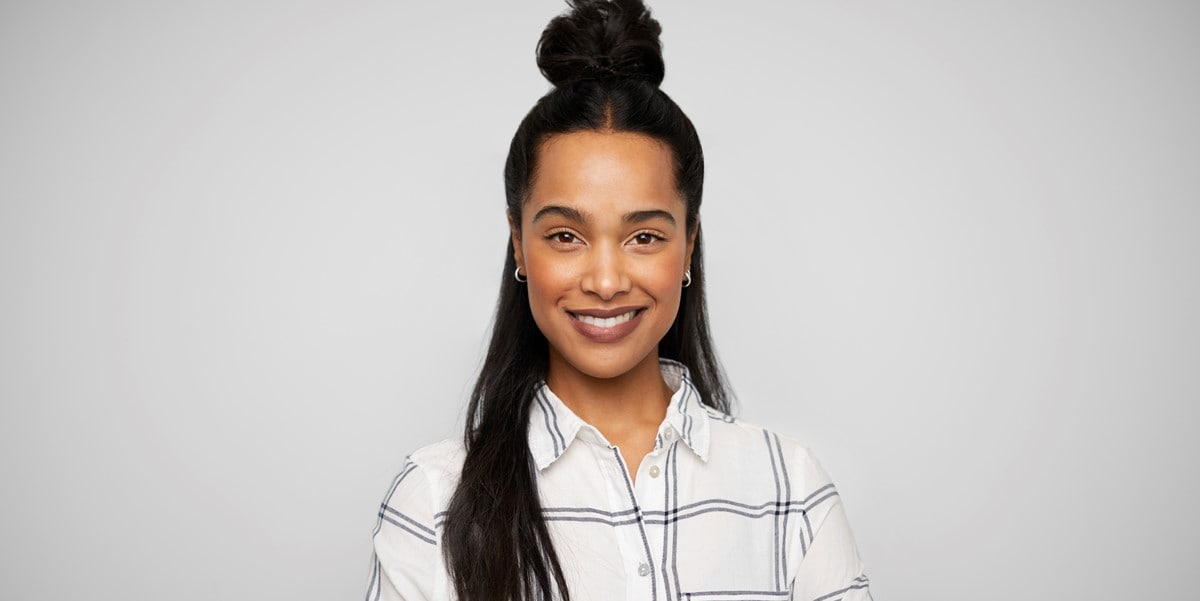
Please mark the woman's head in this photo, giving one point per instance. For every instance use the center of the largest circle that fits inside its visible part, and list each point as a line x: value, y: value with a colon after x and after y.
x: 605, y: 61
x: 605, y: 248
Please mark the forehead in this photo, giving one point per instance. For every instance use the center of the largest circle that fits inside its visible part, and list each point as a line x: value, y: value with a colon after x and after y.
x: 605, y: 172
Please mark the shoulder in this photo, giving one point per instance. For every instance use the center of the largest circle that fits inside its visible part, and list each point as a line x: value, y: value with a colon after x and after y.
x: 782, y: 458
x: 732, y: 434
x: 440, y: 460
x: 428, y: 476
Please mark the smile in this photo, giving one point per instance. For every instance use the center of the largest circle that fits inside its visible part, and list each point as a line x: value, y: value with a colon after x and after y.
x: 607, y: 326
x: 606, y: 322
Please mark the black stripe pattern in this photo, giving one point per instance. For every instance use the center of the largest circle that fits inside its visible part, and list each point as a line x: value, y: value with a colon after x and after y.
x: 720, y: 510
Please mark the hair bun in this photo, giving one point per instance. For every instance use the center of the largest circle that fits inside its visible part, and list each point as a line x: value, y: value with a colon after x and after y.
x: 601, y: 39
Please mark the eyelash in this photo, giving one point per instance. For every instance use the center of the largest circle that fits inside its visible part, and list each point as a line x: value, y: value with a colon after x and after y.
x: 654, y: 237
x: 554, y: 237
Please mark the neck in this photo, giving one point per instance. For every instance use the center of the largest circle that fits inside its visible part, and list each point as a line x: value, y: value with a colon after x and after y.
x: 616, y: 406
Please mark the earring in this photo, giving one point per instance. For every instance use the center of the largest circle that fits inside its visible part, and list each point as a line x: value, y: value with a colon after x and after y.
x: 687, y: 277
x: 517, y: 276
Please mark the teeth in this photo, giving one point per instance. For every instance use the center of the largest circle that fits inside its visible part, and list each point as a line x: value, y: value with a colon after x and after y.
x: 606, y: 322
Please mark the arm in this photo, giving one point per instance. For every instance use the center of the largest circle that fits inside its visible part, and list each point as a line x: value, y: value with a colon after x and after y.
x: 406, y: 556
x: 829, y: 565
x: 832, y: 570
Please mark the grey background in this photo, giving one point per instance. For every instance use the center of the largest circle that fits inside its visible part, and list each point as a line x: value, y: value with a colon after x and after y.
x: 249, y: 252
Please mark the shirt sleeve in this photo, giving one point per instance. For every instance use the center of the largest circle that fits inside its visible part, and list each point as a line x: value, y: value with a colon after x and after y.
x: 830, y: 568
x: 406, y: 558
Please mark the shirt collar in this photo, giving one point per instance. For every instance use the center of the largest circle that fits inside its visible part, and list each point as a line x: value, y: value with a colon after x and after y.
x: 552, y: 426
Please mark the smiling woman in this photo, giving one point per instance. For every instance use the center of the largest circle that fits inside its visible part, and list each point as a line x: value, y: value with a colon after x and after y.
x: 606, y: 248
x: 599, y: 459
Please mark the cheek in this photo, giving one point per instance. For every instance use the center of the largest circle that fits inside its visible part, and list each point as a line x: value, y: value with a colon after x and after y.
x: 663, y: 280
x: 549, y: 279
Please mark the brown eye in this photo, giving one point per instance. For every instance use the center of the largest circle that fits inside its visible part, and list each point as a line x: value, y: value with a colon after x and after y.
x: 562, y: 237
x: 646, y: 238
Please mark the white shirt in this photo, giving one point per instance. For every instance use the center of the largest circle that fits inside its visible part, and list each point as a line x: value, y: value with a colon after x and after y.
x: 722, y: 510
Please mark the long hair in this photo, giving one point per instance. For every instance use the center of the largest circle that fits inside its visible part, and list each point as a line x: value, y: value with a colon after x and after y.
x: 604, y: 59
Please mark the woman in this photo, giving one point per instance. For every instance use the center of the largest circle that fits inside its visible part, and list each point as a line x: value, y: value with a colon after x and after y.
x: 599, y: 460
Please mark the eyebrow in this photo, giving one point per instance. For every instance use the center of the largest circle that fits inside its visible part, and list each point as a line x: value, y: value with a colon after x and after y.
x: 577, y: 215
x: 567, y: 212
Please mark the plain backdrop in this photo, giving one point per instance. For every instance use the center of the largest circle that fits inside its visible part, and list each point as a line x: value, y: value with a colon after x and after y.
x: 249, y: 252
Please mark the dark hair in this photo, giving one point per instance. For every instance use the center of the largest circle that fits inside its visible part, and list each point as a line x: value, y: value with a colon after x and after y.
x: 605, y: 61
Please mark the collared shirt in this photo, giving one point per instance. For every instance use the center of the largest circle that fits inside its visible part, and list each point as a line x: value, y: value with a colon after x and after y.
x: 720, y: 510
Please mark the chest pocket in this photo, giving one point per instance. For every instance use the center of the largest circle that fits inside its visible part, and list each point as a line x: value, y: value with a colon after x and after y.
x: 735, y: 596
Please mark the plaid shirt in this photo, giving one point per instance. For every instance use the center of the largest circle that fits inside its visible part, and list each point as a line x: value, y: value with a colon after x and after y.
x: 721, y: 510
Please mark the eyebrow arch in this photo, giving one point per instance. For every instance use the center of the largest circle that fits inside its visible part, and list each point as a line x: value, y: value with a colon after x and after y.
x: 640, y: 216
x: 567, y: 212
x: 580, y: 216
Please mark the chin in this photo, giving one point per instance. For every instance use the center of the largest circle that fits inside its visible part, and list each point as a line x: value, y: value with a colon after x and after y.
x: 604, y: 365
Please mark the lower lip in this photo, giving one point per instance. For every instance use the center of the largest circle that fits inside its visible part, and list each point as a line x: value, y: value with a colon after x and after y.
x: 613, y: 334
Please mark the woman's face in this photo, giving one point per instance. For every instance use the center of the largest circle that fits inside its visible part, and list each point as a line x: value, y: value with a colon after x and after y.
x: 604, y: 243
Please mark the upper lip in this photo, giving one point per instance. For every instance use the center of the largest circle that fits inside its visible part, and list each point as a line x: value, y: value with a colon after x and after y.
x: 603, y: 312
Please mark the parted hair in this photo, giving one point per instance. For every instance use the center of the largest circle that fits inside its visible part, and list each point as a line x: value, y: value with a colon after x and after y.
x: 604, y: 59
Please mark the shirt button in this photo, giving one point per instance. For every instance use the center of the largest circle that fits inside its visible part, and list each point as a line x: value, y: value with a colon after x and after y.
x: 654, y: 471
x: 643, y: 569
x: 669, y: 434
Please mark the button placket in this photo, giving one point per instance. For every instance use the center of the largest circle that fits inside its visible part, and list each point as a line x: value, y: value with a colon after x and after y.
x: 636, y: 544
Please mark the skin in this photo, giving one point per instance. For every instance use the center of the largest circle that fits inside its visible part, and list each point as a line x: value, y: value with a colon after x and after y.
x: 604, y: 227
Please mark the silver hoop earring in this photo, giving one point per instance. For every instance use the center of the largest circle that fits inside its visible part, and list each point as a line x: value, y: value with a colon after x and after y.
x: 687, y: 277
x: 517, y: 276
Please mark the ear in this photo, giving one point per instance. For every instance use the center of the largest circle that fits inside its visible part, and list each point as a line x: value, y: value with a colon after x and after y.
x: 515, y: 231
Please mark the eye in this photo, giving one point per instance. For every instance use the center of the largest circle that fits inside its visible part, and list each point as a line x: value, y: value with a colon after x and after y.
x: 562, y: 237
x: 644, y: 238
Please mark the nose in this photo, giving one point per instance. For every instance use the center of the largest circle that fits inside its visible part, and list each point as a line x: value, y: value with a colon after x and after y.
x: 605, y: 274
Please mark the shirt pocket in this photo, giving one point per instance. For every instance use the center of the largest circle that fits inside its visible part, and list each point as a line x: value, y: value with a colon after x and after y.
x: 735, y: 596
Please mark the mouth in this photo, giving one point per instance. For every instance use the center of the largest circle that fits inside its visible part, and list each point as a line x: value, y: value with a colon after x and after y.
x: 600, y: 321
x: 606, y: 325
